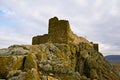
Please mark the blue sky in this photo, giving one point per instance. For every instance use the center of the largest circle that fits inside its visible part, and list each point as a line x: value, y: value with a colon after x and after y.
x: 97, y: 20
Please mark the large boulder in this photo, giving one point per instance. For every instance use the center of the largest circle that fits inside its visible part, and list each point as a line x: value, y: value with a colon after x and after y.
x: 9, y: 63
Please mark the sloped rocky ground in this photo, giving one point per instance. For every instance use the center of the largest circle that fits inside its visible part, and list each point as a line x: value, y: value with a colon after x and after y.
x: 54, y: 62
x: 116, y: 68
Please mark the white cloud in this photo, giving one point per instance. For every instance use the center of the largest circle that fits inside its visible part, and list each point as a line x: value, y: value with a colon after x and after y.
x: 99, y: 3
x: 81, y: 3
x: 109, y: 49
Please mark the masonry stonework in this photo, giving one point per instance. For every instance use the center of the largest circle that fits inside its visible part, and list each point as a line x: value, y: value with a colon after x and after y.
x: 59, y: 32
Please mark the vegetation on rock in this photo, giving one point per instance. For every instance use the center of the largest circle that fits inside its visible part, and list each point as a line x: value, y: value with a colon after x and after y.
x: 56, y: 61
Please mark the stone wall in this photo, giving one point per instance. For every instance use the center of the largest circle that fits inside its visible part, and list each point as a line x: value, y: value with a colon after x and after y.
x: 40, y: 39
x: 59, y: 32
x: 96, y: 47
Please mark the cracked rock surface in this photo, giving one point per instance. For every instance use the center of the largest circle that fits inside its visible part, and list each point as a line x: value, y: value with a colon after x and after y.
x: 54, y: 61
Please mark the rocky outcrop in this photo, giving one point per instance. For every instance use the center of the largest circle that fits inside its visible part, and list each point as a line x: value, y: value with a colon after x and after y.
x: 56, y: 57
x: 54, y: 61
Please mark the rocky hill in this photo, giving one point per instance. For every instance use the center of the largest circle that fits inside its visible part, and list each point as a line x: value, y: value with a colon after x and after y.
x: 114, y: 59
x: 58, y: 55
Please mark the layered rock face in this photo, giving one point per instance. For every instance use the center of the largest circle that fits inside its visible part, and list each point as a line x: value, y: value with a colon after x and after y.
x: 62, y: 59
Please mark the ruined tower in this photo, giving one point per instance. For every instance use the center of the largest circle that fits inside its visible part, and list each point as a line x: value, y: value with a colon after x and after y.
x: 59, y: 32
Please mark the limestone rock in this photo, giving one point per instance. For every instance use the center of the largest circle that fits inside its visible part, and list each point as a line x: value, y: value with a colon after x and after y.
x: 29, y: 75
x: 9, y: 63
x: 30, y: 62
x: 67, y: 62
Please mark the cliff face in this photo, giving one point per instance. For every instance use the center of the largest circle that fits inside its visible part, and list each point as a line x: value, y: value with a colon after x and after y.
x: 55, y: 60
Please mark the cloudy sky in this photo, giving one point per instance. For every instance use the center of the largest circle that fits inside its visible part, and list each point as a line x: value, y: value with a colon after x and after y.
x: 97, y: 20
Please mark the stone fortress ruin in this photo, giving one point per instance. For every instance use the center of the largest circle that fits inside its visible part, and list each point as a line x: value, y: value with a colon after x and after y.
x: 59, y: 31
